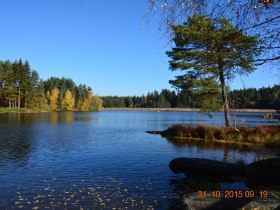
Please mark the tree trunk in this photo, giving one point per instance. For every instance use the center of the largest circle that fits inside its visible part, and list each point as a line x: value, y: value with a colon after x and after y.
x: 224, y: 95
x: 19, y: 98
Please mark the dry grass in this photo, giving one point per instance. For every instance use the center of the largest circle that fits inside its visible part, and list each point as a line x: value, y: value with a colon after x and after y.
x: 268, y: 135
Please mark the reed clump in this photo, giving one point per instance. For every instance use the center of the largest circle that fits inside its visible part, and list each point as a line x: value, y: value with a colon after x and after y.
x: 267, y: 135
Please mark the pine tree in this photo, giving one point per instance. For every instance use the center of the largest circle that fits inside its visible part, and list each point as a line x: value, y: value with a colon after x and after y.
x: 41, y: 103
x: 210, y: 52
x: 144, y: 102
x: 27, y: 83
x: 128, y: 102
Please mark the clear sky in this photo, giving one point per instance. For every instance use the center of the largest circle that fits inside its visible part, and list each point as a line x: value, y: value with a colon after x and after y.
x: 99, y: 43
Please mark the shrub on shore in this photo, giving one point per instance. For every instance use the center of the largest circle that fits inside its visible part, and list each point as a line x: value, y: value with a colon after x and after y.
x: 268, y: 135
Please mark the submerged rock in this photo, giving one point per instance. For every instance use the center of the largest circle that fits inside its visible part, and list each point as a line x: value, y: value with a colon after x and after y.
x: 154, y: 132
x: 206, y: 166
x: 266, y: 171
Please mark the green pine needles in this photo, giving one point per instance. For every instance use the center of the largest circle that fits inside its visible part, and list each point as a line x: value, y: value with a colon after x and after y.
x: 211, y: 52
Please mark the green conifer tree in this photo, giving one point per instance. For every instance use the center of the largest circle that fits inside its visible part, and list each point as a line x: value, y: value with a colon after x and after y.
x: 210, y: 52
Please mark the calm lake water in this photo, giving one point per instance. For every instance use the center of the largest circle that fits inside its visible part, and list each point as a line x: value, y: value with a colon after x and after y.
x: 101, y: 160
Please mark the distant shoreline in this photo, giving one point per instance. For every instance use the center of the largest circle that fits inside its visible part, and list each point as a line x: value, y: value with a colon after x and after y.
x: 183, y: 109
x: 23, y: 110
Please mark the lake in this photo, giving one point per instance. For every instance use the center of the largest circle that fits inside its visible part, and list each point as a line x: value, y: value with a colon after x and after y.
x: 102, y: 160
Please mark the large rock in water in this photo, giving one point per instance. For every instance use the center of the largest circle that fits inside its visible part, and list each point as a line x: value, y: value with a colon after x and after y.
x: 265, y: 171
x: 206, y: 166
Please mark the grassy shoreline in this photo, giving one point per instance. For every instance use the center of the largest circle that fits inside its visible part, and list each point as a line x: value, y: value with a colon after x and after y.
x: 25, y: 110
x: 184, y: 109
x: 259, y: 135
x: 17, y: 110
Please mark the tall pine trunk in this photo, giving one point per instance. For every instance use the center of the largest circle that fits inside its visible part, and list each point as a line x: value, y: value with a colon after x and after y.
x: 224, y: 95
x: 19, y: 98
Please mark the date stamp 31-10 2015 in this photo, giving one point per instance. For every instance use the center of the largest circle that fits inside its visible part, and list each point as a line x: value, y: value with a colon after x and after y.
x: 231, y: 194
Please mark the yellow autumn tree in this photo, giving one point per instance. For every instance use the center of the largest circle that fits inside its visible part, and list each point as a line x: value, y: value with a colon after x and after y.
x: 68, y: 101
x: 83, y: 105
x: 79, y: 105
x: 95, y: 102
x: 90, y: 103
x: 52, y: 98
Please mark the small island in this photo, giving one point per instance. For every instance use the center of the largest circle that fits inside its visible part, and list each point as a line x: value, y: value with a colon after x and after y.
x: 261, y: 135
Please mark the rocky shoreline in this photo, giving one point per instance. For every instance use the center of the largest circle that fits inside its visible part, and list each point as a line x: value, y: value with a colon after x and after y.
x: 192, y: 202
x: 204, y: 176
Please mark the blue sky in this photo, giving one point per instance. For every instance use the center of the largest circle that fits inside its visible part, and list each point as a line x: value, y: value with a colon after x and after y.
x: 100, y: 43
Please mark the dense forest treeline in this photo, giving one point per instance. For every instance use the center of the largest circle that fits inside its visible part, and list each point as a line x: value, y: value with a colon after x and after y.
x: 22, y: 87
x: 251, y: 98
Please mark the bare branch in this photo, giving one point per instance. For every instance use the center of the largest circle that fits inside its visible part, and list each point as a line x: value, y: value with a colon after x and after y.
x: 267, y: 21
x: 265, y: 60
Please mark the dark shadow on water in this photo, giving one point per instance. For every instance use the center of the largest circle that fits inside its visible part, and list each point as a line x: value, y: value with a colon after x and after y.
x: 260, y: 152
x: 206, y: 144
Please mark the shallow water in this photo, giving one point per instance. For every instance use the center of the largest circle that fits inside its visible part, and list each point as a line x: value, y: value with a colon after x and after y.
x: 100, y: 160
